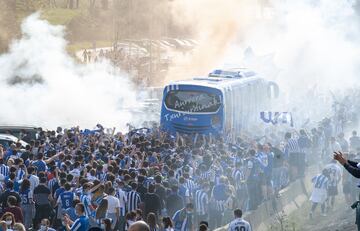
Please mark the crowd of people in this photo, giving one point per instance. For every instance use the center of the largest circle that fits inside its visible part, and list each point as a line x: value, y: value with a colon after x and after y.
x: 327, y: 183
x: 73, y: 179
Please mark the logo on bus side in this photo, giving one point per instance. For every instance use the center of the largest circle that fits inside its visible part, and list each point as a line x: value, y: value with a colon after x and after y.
x: 190, y: 119
x: 172, y: 116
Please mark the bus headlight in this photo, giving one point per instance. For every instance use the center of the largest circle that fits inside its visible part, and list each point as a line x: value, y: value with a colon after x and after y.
x: 215, y: 120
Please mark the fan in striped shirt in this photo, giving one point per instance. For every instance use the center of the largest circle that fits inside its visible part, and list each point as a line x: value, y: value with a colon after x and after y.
x: 238, y: 176
x: 52, y: 183
x: 189, y: 184
x: 86, y: 200
x: 296, y: 159
x: 201, y: 200
x: 4, y: 170
x: 205, y: 175
x: 133, y: 198
x: 319, y: 194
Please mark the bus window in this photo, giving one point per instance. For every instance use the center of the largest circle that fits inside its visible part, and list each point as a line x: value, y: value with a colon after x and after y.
x: 228, y: 110
x: 192, y: 101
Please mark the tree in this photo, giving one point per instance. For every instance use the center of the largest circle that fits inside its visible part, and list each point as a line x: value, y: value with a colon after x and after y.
x: 92, y: 4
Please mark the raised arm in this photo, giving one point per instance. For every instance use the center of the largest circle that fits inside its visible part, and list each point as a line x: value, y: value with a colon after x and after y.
x: 350, y: 166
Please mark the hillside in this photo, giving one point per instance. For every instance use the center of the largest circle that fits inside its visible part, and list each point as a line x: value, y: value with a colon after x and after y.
x: 103, y: 21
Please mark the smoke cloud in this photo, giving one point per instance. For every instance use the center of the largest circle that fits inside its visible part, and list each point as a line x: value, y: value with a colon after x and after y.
x: 310, y: 48
x: 40, y: 84
x: 214, y: 25
x: 316, y: 48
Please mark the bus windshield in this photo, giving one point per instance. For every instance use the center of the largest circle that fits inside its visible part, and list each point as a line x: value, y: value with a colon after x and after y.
x: 192, y: 101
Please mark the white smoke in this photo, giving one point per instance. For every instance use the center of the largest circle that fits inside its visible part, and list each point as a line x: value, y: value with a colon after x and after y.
x: 314, y: 46
x: 70, y: 93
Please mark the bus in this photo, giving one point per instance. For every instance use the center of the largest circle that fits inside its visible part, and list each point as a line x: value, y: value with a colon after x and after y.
x: 225, y: 102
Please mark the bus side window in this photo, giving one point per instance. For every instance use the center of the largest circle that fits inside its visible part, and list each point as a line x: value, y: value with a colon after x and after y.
x: 247, y: 104
x: 238, y: 109
x: 227, y: 117
x: 243, y: 107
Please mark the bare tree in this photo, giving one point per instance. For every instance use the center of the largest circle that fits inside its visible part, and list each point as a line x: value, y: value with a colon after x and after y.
x: 92, y: 4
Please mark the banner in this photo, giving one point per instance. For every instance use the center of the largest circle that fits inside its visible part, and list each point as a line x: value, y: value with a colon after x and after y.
x: 277, y: 118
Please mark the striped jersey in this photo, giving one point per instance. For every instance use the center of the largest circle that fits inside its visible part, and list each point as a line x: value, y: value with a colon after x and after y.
x: 51, y: 184
x: 101, y: 176
x: 98, y: 199
x: 4, y: 170
x: 239, y: 224
x: 133, y: 200
x: 320, y: 182
x: 207, y: 176
x: 201, y: 202
x: 20, y: 174
x: 178, y: 173
x: 292, y: 146
x: 85, y: 199
x: 121, y: 195
x: 220, y: 205
x: 190, y: 184
x: 182, y: 221
x: 335, y: 174
x: 239, y: 177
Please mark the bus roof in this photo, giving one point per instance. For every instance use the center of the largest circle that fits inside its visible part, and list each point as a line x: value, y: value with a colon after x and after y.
x: 221, y: 79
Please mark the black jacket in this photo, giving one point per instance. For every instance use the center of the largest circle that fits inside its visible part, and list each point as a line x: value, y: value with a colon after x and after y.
x: 352, y: 168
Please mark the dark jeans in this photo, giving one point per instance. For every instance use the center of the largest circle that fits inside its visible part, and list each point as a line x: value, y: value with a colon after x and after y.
x: 43, y: 211
x: 121, y: 223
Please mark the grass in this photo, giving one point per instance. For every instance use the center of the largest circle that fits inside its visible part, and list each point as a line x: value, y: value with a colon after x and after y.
x: 294, y: 221
x: 60, y: 16
x: 299, y: 219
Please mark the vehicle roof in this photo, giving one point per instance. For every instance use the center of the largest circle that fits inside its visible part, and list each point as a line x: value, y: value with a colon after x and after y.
x: 7, y: 137
x: 18, y: 126
x: 11, y: 138
x: 221, y: 82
